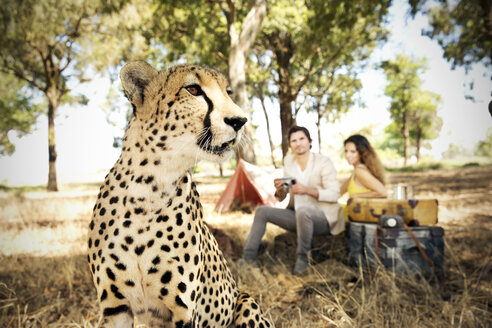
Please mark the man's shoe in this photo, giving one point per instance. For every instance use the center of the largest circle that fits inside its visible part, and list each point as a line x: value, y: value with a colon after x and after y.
x: 300, y: 266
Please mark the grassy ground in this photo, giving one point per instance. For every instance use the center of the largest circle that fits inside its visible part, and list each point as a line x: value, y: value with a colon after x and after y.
x: 45, y: 281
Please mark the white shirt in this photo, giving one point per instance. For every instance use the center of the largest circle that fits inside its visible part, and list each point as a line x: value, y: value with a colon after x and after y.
x: 302, y: 177
x: 320, y: 174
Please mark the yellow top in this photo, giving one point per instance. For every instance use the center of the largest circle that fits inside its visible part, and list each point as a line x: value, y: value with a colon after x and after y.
x: 352, y: 188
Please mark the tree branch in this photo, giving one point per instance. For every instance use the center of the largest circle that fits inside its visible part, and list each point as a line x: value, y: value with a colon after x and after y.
x: 7, y: 69
x: 306, y: 78
x: 252, y: 24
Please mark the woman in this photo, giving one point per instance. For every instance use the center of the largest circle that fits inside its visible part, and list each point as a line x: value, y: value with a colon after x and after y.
x: 367, y: 180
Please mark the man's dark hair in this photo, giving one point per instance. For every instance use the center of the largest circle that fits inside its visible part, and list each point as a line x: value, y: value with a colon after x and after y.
x: 296, y: 128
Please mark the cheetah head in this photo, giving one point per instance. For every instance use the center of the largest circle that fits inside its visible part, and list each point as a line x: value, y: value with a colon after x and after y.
x: 185, y: 110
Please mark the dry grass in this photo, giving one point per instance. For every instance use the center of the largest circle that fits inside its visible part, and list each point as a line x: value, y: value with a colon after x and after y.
x: 45, y: 281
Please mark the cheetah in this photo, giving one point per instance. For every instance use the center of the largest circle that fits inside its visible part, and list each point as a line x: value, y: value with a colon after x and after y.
x: 153, y: 261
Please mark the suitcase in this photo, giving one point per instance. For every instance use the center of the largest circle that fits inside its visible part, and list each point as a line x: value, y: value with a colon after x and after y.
x: 370, y: 244
x: 360, y: 243
x: 398, y: 250
x: 413, y: 211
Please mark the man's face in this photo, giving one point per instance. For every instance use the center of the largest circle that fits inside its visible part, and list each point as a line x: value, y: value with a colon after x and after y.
x: 299, y: 143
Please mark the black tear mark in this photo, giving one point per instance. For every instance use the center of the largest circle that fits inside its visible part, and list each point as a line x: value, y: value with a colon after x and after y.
x: 201, y: 142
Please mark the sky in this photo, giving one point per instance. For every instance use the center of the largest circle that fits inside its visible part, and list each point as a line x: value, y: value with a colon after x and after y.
x: 85, y: 138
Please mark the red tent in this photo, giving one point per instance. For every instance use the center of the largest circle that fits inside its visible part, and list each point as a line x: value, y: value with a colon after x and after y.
x: 249, y: 184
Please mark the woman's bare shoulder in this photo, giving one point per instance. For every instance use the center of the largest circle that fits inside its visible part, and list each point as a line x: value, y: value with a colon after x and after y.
x: 361, y: 169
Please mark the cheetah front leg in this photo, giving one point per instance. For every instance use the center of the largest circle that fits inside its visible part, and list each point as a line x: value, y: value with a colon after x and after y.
x: 248, y: 313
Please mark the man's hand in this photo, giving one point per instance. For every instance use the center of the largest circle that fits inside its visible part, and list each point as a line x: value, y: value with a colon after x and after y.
x: 300, y: 189
x: 279, y: 188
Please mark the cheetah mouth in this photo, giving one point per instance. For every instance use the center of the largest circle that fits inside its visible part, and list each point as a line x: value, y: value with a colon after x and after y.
x: 226, y: 146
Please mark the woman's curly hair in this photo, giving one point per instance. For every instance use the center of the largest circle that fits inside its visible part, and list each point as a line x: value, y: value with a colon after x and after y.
x: 368, y: 156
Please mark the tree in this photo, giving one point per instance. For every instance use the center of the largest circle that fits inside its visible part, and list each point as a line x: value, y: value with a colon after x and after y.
x: 38, y: 45
x: 463, y: 29
x: 403, y: 75
x: 424, y: 122
x: 331, y: 98
x: 18, y: 111
x: 198, y: 30
x: 309, y: 38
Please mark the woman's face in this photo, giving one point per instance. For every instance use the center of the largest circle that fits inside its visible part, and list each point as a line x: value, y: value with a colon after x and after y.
x: 351, y: 154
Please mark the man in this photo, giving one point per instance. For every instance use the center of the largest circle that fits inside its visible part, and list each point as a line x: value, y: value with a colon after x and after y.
x: 313, y: 207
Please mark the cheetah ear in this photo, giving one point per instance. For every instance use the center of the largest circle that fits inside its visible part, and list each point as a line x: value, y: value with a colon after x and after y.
x: 135, y: 77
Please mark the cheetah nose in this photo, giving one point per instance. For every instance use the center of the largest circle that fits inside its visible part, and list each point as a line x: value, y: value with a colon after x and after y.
x: 235, y: 122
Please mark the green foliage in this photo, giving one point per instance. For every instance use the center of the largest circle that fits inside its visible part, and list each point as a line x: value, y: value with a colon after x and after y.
x: 456, y: 151
x: 429, y: 166
x: 424, y: 122
x: 194, y: 31
x: 462, y: 29
x: 471, y: 164
x: 18, y: 111
x: 403, y: 75
x: 393, y: 138
x: 484, y: 147
x: 120, y: 34
x: 424, y: 117
x: 416, y: 168
x: 413, y: 111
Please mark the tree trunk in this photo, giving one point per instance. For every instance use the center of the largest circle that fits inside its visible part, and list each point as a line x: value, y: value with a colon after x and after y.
x: 406, y: 137
x: 237, y: 77
x: 272, y: 147
x: 418, y: 141
x: 283, y: 54
x: 318, y: 125
x: 286, y: 121
x: 240, y: 46
x: 52, y: 155
x: 221, y: 170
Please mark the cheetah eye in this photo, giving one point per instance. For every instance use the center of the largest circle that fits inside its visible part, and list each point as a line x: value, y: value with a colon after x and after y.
x: 229, y: 92
x: 194, y: 90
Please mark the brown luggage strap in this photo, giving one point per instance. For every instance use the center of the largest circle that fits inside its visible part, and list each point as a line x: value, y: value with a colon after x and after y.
x: 422, y: 251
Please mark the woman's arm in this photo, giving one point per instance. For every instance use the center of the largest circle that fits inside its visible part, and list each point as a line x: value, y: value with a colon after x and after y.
x: 365, y: 179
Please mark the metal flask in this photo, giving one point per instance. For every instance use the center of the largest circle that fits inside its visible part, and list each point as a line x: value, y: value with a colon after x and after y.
x: 402, y: 192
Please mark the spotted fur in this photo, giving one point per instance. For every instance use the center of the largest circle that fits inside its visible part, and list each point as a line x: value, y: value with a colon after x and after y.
x: 154, y: 262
